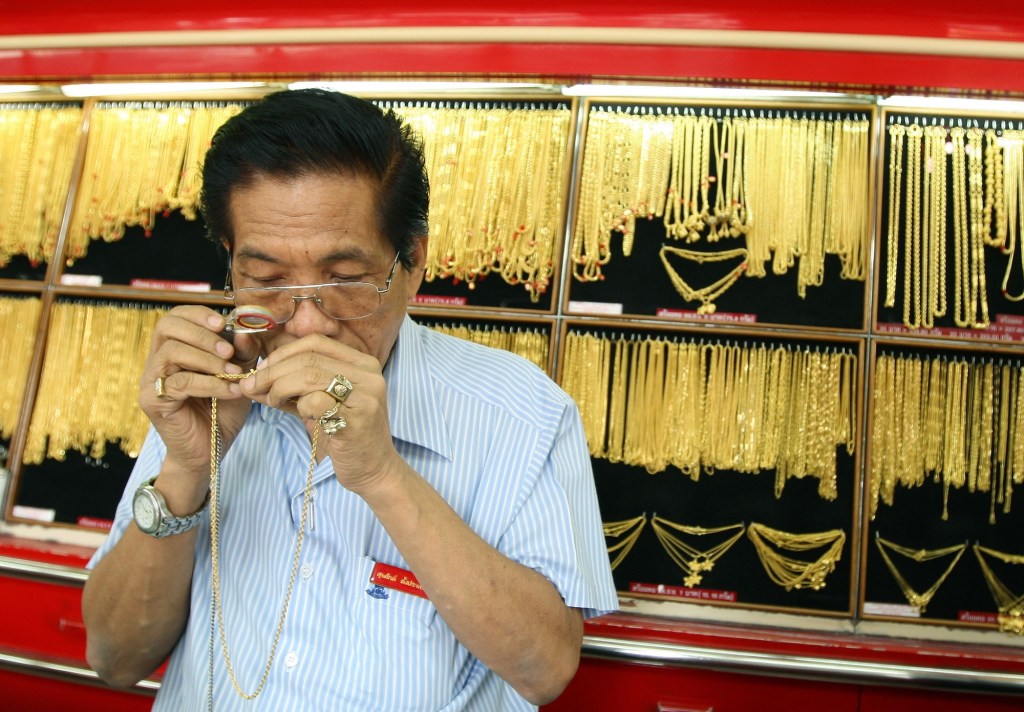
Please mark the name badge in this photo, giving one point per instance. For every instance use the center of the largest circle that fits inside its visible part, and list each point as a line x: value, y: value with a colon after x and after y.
x: 395, y: 578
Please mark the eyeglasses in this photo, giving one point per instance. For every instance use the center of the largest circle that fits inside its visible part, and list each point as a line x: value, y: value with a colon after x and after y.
x: 338, y: 300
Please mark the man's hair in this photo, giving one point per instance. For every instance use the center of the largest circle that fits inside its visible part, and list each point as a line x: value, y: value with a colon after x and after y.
x: 296, y: 133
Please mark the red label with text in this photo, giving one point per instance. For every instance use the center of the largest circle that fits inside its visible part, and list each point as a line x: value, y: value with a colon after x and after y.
x: 396, y: 578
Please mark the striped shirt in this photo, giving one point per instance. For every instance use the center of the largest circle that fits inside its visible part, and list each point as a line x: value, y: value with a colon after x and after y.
x: 492, y: 434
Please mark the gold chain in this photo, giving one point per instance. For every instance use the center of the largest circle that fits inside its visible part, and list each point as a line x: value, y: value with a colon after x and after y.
x: 18, y: 320
x: 631, y: 528
x: 708, y: 294
x: 693, y: 561
x: 919, y: 600
x: 215, y: 454
x: 1009, y: 604
x: 792, y: 573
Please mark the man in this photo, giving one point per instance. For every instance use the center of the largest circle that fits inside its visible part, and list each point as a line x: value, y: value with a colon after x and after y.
x: 400, y: 520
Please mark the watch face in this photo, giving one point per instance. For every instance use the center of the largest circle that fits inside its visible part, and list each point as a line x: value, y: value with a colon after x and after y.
x: 144, y: 509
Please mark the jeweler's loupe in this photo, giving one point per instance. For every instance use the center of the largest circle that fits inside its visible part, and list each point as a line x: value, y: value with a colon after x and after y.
x: 250, y: 319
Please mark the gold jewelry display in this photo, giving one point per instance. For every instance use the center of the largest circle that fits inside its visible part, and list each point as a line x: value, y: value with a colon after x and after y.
x: 497, y: 188
x: 215, y: 523
x: 693, y: 561
x: 946, y: 419
x: 38, y: 143
x: 629, y: 530
x: 531, y: 344
x: 19, y: 318
x: 88, y: 389
x: 984, y: 199
x: 804, y: 177
x: 656, y: 402
x: 792, y: 573
x: 1009, y: 604
x: 141, y: 159
x: 918, y: 600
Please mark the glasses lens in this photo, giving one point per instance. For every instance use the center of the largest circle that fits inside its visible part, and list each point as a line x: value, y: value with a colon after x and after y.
x: 349, y: 300
x: 344, y: 300
x: 277, y: 301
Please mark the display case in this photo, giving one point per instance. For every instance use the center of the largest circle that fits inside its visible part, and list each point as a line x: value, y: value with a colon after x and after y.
x: 786, y: 302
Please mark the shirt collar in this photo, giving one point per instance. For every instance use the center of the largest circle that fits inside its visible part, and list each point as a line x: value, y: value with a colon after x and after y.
x: 412, y: 399
x: 413, y: 406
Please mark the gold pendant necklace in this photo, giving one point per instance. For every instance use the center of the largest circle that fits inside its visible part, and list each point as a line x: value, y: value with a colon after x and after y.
x: 217, y: 610
x: 695, y: 562
x: 920, y: 600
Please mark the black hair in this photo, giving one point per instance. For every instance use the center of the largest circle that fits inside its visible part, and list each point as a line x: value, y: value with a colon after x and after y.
x: 316, y: 132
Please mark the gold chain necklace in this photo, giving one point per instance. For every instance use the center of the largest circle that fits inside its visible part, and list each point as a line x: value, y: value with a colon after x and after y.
x: 215, y: 454
x: 708, y: 294
x: 695, y: 562
x: 793, y: 573
x: 1013, y: 154
x: 631, y: 528
x: 1010, y: 605
x: 920, y: 600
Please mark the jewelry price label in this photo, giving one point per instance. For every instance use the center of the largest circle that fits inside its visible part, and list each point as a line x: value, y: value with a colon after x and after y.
x: 693, y: 594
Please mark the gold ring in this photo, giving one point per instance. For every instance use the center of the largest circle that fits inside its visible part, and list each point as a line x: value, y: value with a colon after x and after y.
x: 158, y: 385
x: 339, y: 388
x: 331, y: 422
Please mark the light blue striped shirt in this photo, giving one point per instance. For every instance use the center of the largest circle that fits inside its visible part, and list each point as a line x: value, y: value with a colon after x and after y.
x: 492, y: 434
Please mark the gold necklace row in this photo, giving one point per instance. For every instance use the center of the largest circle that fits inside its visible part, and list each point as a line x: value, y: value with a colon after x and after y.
x: 531, y: 344
x: 497, y: 190
x: 952, y: 420
x: 787, y: 571
x: 139, y: 163
x: 985, y: 197
x: 18, y: 320
x: 703, y: 407
x: 791, y: 187
x: 88, y: 390
x: 38, y: 148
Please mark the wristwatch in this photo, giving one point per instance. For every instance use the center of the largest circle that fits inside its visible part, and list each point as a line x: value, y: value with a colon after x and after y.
x: 149, y: 508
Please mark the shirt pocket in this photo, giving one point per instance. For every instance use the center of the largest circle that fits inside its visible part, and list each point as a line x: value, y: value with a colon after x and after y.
x: 382, y: 604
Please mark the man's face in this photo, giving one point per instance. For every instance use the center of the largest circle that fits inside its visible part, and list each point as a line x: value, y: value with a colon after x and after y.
x: 320, y: 229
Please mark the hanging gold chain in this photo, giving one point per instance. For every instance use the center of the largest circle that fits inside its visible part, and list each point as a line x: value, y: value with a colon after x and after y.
x: 215, y: 455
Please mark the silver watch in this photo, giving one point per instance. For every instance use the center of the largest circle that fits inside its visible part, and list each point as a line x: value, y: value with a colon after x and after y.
x: 149, y: 508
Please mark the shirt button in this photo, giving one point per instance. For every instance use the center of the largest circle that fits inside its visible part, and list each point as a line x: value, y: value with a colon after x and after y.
x: 306, y: 571
x: 291, y: 660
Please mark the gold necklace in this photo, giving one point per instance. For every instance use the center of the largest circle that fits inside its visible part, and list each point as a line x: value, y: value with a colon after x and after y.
x: 215, y: 454
x: 18, y: 320
x: 693, y: 561
x: 791, y: 573
x: 1013, y: 153
x: 918, y: 600
x: 707, y: 294
x: 1009, y: 604
x: 631, y: 528
x: 912, y: 230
